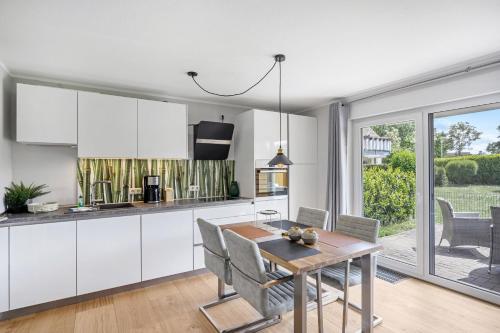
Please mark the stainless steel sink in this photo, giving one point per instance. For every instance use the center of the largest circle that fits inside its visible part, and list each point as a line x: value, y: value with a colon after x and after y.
x: 115, y: 205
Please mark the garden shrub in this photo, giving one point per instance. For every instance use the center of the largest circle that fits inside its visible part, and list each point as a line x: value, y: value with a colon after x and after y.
x: 488, y: 171
x: 440, y: 178
x: 389, y: 195
x: 402, y: 159
x: 461, y: 172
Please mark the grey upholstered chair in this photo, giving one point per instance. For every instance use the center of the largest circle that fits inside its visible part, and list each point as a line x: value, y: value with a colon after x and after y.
x: 463, y: 228
x: 362, y: 228
x: 216, y: 261
x: 495, y: 238
x: 270, y: 293
x: 313, y: 217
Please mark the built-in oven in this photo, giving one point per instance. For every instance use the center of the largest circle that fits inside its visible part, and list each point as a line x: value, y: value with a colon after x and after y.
x: 271, y: 181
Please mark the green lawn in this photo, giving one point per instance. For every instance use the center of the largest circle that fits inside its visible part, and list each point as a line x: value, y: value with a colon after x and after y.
x: 473, y: 198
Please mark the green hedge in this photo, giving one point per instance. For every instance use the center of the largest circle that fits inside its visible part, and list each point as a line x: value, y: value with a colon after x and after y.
x: 389, y: 195
x: 440, y: 178
x: 402, y: 159
x: 488, y: 171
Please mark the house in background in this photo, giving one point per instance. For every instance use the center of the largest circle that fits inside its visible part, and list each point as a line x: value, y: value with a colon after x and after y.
x: 375, y: 147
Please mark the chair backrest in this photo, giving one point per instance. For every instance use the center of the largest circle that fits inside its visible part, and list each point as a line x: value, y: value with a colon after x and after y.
x: 313, y: 217
x: 495, y: 217
x: 245, y: 257
x: 213, y: 240
x: 359, y: 227
x: 446, y: 209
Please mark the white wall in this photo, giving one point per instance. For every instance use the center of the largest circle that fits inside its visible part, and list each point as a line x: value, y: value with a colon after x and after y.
x: 321, y: 113
x: 458, y: 88
x: 51, y: 165
x: 5, y: 134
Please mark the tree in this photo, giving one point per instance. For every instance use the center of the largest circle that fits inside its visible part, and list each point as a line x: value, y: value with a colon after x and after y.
x: 402, y: 135
x: 462, y: 135
x: 442, y: 144
x: 494, y: 147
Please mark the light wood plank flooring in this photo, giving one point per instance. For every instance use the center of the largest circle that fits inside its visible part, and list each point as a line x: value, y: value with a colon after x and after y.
x: 410, y: 306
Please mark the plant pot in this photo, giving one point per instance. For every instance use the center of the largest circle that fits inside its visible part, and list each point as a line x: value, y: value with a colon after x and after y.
x: 18, y: 209
x: 234, y: 190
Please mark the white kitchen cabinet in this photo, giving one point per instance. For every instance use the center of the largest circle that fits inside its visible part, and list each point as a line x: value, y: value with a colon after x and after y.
x: 4, y: 269
x: 267, y: 134
x: 162, y: 130
x: 199, y: 257
x: 167, y: 244
x: 46, y: 115
x: 107, y: 126
x: 279, y: 204
x: 222, y: 215
x: 109, y: 253
x: 303, y: 139
x: 42, y: 263
x: 303, y: 188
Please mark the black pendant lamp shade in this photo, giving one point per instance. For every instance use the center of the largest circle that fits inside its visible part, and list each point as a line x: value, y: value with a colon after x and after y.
x: 280, y: 159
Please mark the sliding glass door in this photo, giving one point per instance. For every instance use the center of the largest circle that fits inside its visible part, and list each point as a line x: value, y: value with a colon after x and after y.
x: 431, y: 177
x: 386, y: 169
x: 465, y: 160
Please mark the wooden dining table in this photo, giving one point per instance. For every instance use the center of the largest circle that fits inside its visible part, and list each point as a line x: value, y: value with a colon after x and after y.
x: 334, y: 247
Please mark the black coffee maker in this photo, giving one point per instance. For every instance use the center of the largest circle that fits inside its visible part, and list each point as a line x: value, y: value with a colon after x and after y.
x: 151, y: 189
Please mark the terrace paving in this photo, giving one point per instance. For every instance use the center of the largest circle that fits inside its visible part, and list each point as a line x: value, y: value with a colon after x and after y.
x: 467, y: 264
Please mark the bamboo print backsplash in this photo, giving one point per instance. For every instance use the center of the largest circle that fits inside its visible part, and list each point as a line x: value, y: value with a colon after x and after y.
x: 213, y: 177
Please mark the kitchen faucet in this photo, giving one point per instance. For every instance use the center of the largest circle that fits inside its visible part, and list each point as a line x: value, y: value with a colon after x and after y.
x: 93, y: 201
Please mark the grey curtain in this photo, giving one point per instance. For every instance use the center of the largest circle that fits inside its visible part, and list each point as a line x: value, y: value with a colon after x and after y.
x: 337, y: 161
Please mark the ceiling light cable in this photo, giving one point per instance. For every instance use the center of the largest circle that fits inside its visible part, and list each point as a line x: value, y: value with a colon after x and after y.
x: 194, y: 74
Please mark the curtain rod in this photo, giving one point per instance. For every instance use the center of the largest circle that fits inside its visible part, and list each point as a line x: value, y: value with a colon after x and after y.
x: 439, y: 77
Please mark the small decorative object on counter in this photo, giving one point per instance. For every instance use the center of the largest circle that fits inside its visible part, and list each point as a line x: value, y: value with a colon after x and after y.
x: 234, y: 190
x: 80, y: 201
x: 169, y: 194
x: 42, y: 207
x: 294, y: 233
x: 17, y: 196
x: 310, y: 236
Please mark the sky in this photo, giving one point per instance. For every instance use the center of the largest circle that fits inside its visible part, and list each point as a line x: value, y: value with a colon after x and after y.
x: 485, y: 122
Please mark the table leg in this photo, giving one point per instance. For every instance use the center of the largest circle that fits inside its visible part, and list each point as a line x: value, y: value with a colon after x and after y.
x: 367, y: 277
x: 300, y: 304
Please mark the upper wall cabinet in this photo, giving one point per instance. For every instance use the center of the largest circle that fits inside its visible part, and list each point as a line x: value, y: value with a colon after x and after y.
x: 303, y: 139
x: 162, y: 130
x: 46, y: 115
x: 107, y: 126
x: 267, y: 134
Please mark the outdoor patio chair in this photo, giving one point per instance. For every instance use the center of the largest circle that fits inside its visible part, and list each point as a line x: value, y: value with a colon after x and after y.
x: 463, y: 228
x: 495, y: 238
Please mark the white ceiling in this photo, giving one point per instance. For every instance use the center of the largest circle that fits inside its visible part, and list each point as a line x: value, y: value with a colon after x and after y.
x: 333, y: 48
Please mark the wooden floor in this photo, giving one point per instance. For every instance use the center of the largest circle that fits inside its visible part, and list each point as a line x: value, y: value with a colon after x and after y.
x: 410, y: 306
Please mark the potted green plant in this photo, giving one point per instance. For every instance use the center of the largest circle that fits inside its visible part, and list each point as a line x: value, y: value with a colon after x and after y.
x: 17, y: 196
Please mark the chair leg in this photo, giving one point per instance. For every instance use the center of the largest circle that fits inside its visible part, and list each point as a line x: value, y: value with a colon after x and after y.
x: 254, y: 326
x: 345, y: 309
x: 319, y: 301
x: 221, y: 290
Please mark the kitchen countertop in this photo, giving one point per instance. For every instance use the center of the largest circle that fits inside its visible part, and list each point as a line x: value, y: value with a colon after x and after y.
x: 140, y: 208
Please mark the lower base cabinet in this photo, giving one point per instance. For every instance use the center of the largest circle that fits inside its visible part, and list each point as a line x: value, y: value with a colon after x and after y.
x: 167, y: 244
x: 4, y: 269
x: 199, y: 257
x: 42, y: 263
x: 109, y: 253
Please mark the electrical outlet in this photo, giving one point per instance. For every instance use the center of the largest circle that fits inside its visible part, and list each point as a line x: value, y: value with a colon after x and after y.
x: 194, y: 188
